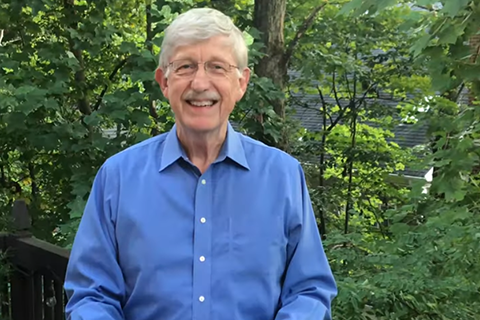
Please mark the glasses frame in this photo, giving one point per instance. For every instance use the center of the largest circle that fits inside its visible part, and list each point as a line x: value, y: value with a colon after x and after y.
x: 229, y: 70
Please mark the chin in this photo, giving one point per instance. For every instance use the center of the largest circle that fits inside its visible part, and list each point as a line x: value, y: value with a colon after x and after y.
x: 203, y: 126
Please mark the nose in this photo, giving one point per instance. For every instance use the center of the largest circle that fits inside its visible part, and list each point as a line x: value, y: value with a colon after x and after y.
x: 200, y: 81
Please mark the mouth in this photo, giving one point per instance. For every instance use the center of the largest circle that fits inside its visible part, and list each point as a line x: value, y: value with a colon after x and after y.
x: 202, y: 104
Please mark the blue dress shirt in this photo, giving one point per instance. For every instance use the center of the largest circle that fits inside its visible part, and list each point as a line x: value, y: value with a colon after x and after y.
x: 159, y: 240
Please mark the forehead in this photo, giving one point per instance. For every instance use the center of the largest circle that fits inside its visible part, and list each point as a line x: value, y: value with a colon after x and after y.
x: 216, y: 48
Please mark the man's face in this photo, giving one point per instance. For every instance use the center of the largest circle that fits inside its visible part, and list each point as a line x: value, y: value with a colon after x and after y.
x: 203, y: 100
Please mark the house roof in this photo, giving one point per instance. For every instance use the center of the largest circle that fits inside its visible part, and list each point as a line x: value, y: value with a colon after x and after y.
x: 307, y: 110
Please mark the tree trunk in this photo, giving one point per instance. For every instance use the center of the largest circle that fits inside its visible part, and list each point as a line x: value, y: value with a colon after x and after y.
x: 349, y: 165
x: 269, y: 16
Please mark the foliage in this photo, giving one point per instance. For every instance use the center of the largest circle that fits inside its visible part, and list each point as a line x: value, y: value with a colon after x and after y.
x: 360, y: 75
x: 426, y: 267
x: 77, y: 86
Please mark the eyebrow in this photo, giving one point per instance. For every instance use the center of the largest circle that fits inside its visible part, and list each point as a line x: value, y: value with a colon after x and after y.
x: 214, y: 58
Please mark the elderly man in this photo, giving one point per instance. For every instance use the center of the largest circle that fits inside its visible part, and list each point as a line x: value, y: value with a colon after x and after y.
x: 201, y: 222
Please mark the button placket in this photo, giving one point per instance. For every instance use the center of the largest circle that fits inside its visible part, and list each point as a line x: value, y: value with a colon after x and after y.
x: 202, y: 247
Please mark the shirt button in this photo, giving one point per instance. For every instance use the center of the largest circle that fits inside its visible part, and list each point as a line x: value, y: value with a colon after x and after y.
x: 202, y: 258
x: 204, y: 181
x: 201, y: 298
x: 203, y: 220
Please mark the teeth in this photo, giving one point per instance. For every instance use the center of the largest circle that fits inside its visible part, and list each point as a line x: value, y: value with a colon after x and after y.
x: 202, y: 103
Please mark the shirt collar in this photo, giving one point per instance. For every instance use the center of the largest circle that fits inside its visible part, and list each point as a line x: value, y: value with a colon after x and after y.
x: 232, y: 149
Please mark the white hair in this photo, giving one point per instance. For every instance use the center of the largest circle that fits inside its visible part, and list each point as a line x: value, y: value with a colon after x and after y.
x: 200, y: 24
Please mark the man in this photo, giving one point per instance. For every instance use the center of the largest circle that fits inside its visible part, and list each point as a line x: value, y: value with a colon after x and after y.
x: 201, y: 222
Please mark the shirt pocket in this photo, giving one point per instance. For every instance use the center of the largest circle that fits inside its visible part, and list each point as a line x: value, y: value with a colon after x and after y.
x: 258, y: 242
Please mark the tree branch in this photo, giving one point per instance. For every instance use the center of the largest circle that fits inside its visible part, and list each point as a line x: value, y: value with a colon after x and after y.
x: 334, y: 88
x: 380, y: 226
x: 476, y: 54
x: 349, y: 204
x: 148, y: 42
x: 112, y: 75
x: 31, y: 171
x: 324, y: 107
x: 301, y: 31
x: 364, y: 96
x: 80, y: 78
x: 348, y: 87
x: 425, y: 8
x: 460, y: 89
x: 342, y: 109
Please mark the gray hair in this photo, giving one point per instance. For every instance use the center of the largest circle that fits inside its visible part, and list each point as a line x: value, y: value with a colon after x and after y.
x: 200, y: 24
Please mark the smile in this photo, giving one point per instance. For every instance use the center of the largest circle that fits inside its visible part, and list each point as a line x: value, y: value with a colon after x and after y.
x: 204, y: 103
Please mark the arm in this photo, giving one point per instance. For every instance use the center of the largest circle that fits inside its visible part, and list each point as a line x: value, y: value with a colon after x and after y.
x: 309, y: 285
x: 94, y: 282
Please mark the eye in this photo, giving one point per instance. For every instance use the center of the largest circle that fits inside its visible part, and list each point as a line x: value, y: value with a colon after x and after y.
x: 218, y: 66
x: 185, y: 66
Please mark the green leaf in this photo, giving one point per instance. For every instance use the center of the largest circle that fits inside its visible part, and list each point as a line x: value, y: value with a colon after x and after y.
x: 441, y: 83
x: 470, y: 72
x: 453, y: 7
x: 15, y: 121
x: 27, y: 106
x: 140, y: 136
x: 420, y: 44
x: 24, y: 90
x: 45, y: 141
x: 51, y: 104
x: 118, y: 114
x: 158, y: 40
x: 141, y: 118
x: 382, y: 4
x: 143, y: 76
x: 128, y: 47
x: 92, y: 119
x: 248, y: 38
x: 7, y: 101
x: 351, y: 6
x: 148, y: 56
x: 450, y: 34
x: 76, y: 207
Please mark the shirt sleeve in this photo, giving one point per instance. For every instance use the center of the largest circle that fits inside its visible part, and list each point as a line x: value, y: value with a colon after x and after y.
x: 309, y: 286
x: 94, y: 283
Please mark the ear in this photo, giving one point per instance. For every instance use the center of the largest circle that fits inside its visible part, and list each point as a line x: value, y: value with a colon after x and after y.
x: 162, y: 81
x: 243, y: 83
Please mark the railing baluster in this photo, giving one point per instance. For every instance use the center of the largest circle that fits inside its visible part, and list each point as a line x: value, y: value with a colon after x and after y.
x: 49, y: 297
x: 35, y: 290
x: 38, y: 296
x: 5, y: 298
x: 59, y: 306
x: 16, y: 296
x: 22, y: 296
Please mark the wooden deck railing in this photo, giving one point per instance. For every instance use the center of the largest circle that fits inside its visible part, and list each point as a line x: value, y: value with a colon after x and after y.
x: 33, y: 287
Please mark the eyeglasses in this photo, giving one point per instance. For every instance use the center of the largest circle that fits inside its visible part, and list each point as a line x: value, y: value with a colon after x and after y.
x: 186, y: 67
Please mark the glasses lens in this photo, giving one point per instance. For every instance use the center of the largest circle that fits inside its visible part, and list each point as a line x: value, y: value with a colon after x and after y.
x: 184, y: 67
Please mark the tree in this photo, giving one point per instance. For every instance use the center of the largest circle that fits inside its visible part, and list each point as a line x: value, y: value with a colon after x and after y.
x: 268, y: 19
x: 354, y: 73
x: 425, y: 268
x: 71, y: 71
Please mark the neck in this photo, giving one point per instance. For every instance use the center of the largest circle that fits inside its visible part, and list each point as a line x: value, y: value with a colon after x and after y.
x: 202, y: 148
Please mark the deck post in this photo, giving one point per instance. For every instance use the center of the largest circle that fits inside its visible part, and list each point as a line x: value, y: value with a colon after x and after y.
x: 22, y: 281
